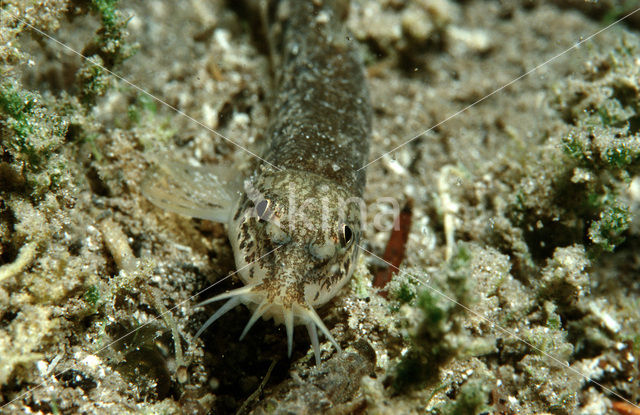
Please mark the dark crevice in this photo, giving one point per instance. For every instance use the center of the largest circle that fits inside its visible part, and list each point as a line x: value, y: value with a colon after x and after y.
x: 98, y: 186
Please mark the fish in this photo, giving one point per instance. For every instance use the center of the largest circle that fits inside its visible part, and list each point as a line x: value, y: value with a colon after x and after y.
x: 294, y: 220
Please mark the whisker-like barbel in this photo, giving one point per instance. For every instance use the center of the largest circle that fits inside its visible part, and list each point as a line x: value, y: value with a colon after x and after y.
x: 313, y: 336
x: 221, y: 311
x: 233, y: 293
x: 259, y: 311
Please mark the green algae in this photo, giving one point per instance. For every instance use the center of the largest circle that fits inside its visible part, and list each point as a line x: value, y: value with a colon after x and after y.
x: 35, y: 131
x: 471, y: 399
x: 435, y: 340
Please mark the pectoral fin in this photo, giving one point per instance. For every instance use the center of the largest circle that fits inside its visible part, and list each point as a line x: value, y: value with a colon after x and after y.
x: 205, y: 192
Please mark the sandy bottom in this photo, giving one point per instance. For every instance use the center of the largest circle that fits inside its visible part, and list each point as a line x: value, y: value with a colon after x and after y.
x: 508, y: 129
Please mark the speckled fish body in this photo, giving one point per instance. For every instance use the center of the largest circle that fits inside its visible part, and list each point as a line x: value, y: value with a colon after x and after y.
x: 322, y: 118
x: 318, y: 136
x: 296, y: 226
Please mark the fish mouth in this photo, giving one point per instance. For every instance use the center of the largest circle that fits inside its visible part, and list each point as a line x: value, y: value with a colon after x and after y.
x: 288, y: 314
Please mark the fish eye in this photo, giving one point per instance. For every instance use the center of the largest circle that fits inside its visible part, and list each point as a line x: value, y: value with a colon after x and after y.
x: 263, y: 209
x: 346, y: 235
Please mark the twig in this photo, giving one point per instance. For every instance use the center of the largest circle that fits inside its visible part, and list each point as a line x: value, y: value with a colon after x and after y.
x: 258, y: 391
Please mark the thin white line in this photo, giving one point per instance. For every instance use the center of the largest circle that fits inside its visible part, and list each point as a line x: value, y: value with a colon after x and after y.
x: 575, y: 45
x: 510, y: 333
x: 149, y: 94
x: 143, y: 325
